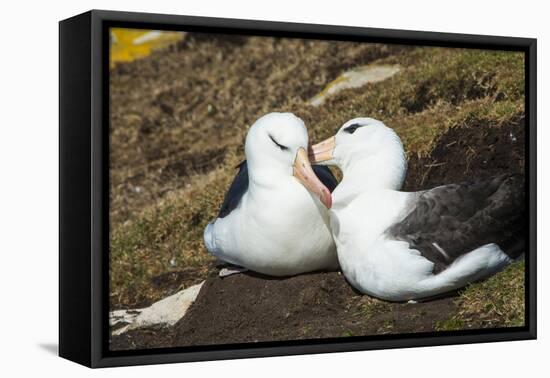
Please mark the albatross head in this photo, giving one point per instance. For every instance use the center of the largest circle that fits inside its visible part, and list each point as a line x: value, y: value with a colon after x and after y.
x: 276, y: 147
x: 364, y: 148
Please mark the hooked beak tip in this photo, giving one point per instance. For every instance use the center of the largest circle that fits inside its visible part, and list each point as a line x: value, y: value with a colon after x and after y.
x: 328, y: 203
x: 326, y: 198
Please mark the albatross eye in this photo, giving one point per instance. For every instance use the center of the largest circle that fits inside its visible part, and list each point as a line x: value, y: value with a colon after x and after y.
x: 283, y: 148
x: 351, y: 128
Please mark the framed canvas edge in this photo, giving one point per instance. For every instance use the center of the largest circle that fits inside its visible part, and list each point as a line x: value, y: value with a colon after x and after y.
x: 75, y: 338
x: 263, y: 27
x: 148, y: 358
x: 98, y: 324
x: 531, y: 169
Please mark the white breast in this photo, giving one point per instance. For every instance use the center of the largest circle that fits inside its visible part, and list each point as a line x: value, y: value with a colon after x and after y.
x: 279, y: 231
x: 358, y: 229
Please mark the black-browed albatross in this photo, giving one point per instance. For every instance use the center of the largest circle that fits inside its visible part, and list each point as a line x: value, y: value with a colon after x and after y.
x: 274, y: 218
x: 405, y: 246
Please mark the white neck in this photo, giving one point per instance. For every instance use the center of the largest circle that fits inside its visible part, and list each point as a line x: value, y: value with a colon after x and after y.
x: 266, y: 177
x: 384, y: 170
x: 376, y: 180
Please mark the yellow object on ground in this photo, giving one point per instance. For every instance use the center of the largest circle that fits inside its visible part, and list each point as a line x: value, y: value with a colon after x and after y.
x: 131, y: 44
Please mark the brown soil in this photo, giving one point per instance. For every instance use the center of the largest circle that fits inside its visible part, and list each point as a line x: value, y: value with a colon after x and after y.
x: 251, y: 308
x: 467, y: 152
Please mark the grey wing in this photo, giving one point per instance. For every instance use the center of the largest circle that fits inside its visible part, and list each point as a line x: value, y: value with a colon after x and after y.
x: 236, y: 191
x: 449, y: 221
x: 325, y: 175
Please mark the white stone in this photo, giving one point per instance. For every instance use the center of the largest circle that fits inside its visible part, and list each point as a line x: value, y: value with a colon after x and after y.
x: 226, y: 272
x: 355, y: 78
x: 166, y: 312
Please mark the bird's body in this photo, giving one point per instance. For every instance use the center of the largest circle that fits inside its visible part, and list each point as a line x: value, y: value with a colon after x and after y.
x: 404, y: 246
x: 269, y: 222
x: 409, y: 249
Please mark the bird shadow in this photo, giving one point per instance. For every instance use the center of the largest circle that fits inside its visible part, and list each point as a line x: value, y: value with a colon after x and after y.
x: 51, y: 348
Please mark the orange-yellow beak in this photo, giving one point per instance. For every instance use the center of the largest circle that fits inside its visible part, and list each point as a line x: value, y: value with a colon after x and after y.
x: 304, y: 173
x: 322, y: 151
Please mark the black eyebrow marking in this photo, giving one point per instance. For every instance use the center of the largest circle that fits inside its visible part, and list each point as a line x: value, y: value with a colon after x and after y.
x: 351, y: 128
x: 284, y: 148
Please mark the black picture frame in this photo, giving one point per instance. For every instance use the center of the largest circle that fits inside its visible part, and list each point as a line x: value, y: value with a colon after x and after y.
x: 84, y: 187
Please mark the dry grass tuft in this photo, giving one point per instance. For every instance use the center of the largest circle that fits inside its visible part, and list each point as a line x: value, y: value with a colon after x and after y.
x: 496, y: 302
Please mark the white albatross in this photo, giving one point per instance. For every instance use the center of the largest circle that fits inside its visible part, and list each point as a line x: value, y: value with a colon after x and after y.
x: 402, y: 246
x: 274, y: 219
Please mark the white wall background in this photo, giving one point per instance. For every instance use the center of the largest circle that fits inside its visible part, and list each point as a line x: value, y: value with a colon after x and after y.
x: 29, y: 186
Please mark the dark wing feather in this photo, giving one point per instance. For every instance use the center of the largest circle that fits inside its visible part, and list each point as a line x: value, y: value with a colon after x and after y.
x: 236, y: 191
x: 461, y: 217
x: 239, y: 186
x: 325, y: 175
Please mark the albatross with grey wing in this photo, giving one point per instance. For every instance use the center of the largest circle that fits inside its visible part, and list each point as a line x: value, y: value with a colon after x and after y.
x: 274, y: 219
x: 404, y: 246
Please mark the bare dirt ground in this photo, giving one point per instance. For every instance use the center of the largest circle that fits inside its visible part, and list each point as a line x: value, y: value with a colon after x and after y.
x: 178, y: 123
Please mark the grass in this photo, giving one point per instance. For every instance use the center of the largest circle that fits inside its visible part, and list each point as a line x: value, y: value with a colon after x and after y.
x: 496, y: 302
x: 451, y: 324
x: 370, y: 306
x: 168, y: 178
x: 441, y: 88
x: 164, y: 237
x: 499, y: 300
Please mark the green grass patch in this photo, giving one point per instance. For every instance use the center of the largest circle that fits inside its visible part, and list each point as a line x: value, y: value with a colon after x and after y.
x: 370, y: 307
x: 496, y: 302
x: 163, y: 238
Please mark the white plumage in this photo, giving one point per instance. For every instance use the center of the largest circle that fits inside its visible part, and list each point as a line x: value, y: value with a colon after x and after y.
x: 367, y: 203
x: 278, y: 227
